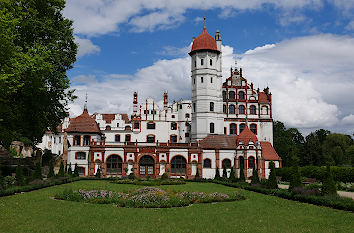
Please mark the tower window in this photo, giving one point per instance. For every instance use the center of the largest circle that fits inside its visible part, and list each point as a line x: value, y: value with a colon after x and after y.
x: 211, y: 106
x: 117, y: 124
x: 117, y: 138
x: 253, y: 128
x: 193, y: 80
x: 232, y: 109
x: 173, y: 138
x: 202, y: 61
x: 173, y: 126
x: 241, y: 95
x: 233, y: 129
x: 242, y: 127
x: 212, y: 130
x: 224, y: 95
x: 201, y: 79
x: 253, y: 110
x: 187, y: 115
x: 136, y: 125
x: 232, y: 95
x: 150, y: 138
x: 127, y: 138
x: 195, y: 63
x: 194, y: 107
x: 211, y: 80
x: 242, y: 109
x: 211, y: 62
x: 225, y: 130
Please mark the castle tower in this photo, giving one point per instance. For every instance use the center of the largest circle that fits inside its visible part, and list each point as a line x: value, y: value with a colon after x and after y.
x: 165, y: 100
x: 207, y: 116
x: 135, y: 103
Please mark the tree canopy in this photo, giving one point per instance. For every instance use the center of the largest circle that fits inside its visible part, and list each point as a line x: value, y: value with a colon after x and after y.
x: 36, y: 49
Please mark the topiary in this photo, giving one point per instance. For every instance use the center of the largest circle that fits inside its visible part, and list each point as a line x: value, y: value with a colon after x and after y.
x: 20, y: 180
x: 255, y: 177
x: 328, y: 184
x: 76, y: 170
x: 164, y: 176
x: 242, y: 174
x: 217, y: 174
x: 197, y: 176
x: 224, y: 172
x: 295, y: 180
x: 61, y: 172
x: 232, y: 177
x: 51, y: 169
x: 38, y: 172
x: 70, y: 171
x: 272, y: 179
x: 98, y: 173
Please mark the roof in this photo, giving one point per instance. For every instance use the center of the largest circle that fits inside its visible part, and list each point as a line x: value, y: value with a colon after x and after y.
x: 125, y: 117
x: 268, y: 151
x: 83, y: 124
x: 246, y: 136
x: 218, y: 142
x: 263, y: 98
x: 204, y: 42
x: 108, y: 117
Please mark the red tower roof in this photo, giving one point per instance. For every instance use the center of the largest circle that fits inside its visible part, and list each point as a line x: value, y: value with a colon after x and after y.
x: 83, y: 123
x: 246, y: 136
x: 204, y: 42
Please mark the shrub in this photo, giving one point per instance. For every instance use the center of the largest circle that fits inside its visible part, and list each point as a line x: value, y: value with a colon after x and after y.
x: 70, y: 171
x: 164, y: 176
x: 255, y: 177
x: 20, y: 180
x: 232, y: 177
x: 51, y: 169
x: 61, y: 172
x: 38, y: 172
x: 295, y: 177
x: 272, y: 179
x: 98, y: 173
x: 224, y: 172
x: 242, y: 174
x: 76, y: 170
x: 2, y: 180
x: 328, y: 185
x: 197, y: 176
x: 217, y: 174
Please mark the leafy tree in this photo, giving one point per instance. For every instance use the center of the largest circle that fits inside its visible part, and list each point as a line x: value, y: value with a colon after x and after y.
x: 232, y: 177
x: 20, y: 179
x: 224, y: 172
x: 217, y: 174
x: 328, y: 184
x: 38, y: 171
x: 312, y: 151
x: 272, y: 179
x: 255, y: 177
x: 51, y: 169
x: 76, y: 170
x: 334, y: 147
x: 295, y: 176
x: 349, y: 154
x: 70, y: 171
x: 61, y: 172
x: 36, y: 49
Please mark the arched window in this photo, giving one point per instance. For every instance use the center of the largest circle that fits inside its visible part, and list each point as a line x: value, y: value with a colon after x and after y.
x: 211, y: 62
x: 151, y: 125
x: 108, y: 127
x: 241, y: 95
x: 77, y: 140
x: 224, y: 95
x: 87, y: 140
x: 264, y: 110
x: 242, y: 127
x: 173, y: 126
x: 211, y: 106
x: 146, y: 165
x: 253, y: 110
x: 212, y: 130
x: 128, y: 128
x: 233, y: 129
x: 207, y: 163
x: 253, y: 128
x: 202, y: 61
x: 232, y: 109
x: 178, y: 165
x: 117, y: 138
x: 224, y: 108
x: 127, y: 137
x: 173, y: 138
x: 150, y: 138
x: 242, y: 109
x: 114, y: 164
x: 251, y: 162
x: 226, y: 163
x: 232, y: 95
x: 242, y: 162
x: 136, y: 125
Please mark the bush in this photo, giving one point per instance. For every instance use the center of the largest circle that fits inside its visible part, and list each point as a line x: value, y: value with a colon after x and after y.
x: 20, y: 179
x: 328, y: 185
x: 98, y: 173
x: 76, y: 170
x: 70, y: 171
x: 295, y: 176
x: 272, y: 179
x: 255, y: 177
x: 61, y: 172
x: 242, y: 177
x: 164, y: 176
x: 217, y: 174
x: 38, y: 172
x: 224, y: 172
x: 197, y: 176
x: 232, y: 177
x: 51, y: 169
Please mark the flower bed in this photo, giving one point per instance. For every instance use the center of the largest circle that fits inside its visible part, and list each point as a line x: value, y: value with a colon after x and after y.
x: 150, y: 182
x: 146, y: 197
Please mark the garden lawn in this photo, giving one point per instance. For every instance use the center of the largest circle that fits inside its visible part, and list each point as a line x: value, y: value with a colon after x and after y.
x: 37, y: 212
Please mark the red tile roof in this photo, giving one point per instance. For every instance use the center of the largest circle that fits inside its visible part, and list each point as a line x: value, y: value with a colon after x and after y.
x: 108, y: 117
x: 268, y: 151
x: 262, y: 97
x: 83, y: 124
x: 125, y: 117
x: 218, y: 142
x: 246, y: 136
x: 204, y: 42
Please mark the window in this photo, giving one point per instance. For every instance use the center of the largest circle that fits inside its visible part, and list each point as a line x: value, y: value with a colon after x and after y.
x: 195, y: 63
x: 224, y: 95
x: 173, y: 138
x: 80, y: 155
x: 264, y: 110
x: 151, y: 125
x: 87, y: 140
x: 178, y: 165
x: 253, y: 110
x: 173, y: 116
x: 226, y: 163
x: 108, y: 127
x: 232, y: 109
x: 201, y: 79
x: 253, y: 128
x: 81, y: 170
x: 146, y: 112
x: 117, y: 124
x: 77, y: 140
x: 242, y: 109
x: 127, y: 138
x: 207, y: 163
x: 136, y: 125
x: 202, y: 61
x: 146, y: 165
x: 194, y: 107
x: 150, y: 138
x: 59, y: 139
x: 211, y: 79
x: 242, y: 127
x: 224, y: 108
x: 232, y: 95
x: 114, y: 164
x: 193, y: 80
x: 211, y: 62
x: 251, y: 162
x: 186, y: 135
x: 225, y: 130
x: 180, y: 106
x: 211, y: 106
x: 54, y: 139
x: 117, y: 138
x: 173, y: 126
x: 128, y: 128
x: 241, y: 95
x: 212, y: 127
x: 233, y: 129
x: 187, y: 115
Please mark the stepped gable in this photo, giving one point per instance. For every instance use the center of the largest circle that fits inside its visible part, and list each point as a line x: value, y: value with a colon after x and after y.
x: 218, y: 142
x: 108, y: 117
x: 268, y: 151
x: 204, y: 42
x: 263, y: 98
x: 83, y: 124
x: 246, y: 136
x: 125, y: 117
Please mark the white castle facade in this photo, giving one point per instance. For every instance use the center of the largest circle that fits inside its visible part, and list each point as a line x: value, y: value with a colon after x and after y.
x: 226, y: 124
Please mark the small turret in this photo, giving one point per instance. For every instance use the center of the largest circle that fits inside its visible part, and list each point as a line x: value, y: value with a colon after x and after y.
x: 165, y: 100
x: 218, y: 40
x: 135, y: 103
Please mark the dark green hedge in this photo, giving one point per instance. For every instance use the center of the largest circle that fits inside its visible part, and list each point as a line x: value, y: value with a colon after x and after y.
x: 340, y: 174
x: 328, y: 201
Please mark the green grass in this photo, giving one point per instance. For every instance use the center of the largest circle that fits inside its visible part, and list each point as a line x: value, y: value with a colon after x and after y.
x: 37, y: 212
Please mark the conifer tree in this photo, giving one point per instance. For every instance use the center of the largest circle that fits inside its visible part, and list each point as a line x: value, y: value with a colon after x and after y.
x: 232, y: 177
x: 98, y: 173
x: 295, y: 176
x: 76, y: 170
x: 224, y: 172
x: 19, y: 175
x: 217, y: 174
x: 51, y: 169
x: 70, y: 171
x: 272, y: 179
x: 197, y: 176
x: 38, y: 171
x: 61, y: 172
x: 328, y: 184
x: 2, y: 180
x: 242, y: 173
x: 255, y: 177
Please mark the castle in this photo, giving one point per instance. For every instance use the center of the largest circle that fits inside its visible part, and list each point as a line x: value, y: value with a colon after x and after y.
x: 226, y: 124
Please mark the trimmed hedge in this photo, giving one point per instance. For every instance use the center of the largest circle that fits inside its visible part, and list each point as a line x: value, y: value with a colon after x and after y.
x: 340, y: 174
x: 328, y: 201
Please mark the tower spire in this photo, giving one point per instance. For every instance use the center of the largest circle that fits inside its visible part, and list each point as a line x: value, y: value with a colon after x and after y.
x: 85, y: 106
x: 204, y: 18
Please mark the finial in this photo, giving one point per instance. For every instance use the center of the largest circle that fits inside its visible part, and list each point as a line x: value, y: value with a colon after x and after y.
x: 85, y: 106
x: 204, y: 18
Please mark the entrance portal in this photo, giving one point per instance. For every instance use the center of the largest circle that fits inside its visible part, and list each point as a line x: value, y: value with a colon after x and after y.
x: 146, y: 166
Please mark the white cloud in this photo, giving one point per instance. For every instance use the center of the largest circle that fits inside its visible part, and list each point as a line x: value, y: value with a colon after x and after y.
x: 86, y: 47
x: 348, y: 120
x: 350, y: 26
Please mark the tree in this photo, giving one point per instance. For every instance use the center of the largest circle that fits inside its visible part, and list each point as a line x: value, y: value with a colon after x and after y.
x: 217, y: 174
x: 334, y: 147
x: 242, y: 173
x: 51, y: 169
x: 349, y: 154
x: 295, y: 176
x: 20, y: 179
x: 197, y: 176
x: 76, y: 170
x: 2, y: 183
x: 70, y: 171
x: 61, y: 172
x: 255, y: 177
x: 272, y: 179
x: 328, y: 184
x: 232, y: 177
x: 38, y: 171
x: 36, y: 49
x: 98, y: 173
x: 224, y: 172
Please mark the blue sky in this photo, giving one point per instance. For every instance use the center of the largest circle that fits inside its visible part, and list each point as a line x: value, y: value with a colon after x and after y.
x: 289, y: 45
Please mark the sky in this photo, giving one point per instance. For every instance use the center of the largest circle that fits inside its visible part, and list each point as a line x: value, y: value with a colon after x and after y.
x: 302, y: 50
